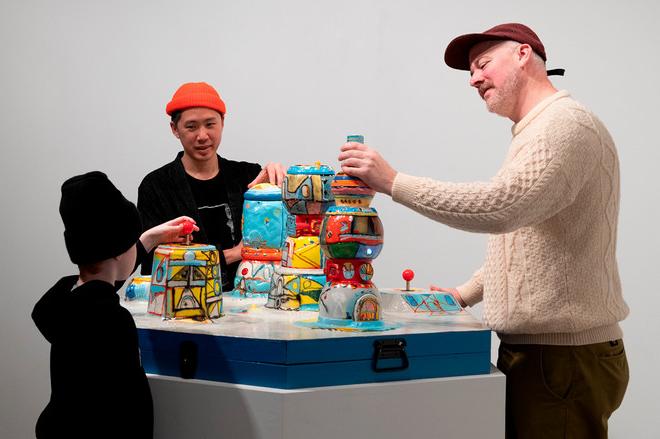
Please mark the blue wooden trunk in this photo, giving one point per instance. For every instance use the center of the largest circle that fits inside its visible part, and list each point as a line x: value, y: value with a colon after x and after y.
x: 247, y: 350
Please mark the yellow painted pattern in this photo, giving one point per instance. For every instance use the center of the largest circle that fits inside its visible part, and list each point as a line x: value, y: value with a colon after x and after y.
x: 294, y: 182
x: 317, y: 186
x: 306, y: 252
x: 192, y: 291
x: 307, y: 300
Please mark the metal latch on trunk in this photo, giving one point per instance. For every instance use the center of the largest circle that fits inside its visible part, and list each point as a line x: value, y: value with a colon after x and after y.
x: 389, y: 349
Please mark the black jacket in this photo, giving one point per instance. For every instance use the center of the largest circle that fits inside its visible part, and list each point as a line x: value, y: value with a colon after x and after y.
x: 165, y: 194
x: 98, y: 386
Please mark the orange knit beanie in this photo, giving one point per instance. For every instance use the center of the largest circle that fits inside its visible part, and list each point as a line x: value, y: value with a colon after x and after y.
x: 196, y: 94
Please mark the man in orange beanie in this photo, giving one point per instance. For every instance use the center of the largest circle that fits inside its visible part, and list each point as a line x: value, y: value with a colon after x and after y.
x: 199, y: 183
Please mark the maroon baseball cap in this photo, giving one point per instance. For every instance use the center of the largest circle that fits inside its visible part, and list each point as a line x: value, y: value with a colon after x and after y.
x: 457, y: 54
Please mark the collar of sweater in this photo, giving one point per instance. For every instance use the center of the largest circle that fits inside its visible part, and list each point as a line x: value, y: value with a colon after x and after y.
x: 538, y: 109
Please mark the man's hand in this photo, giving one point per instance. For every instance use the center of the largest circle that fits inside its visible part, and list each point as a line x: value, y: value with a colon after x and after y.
x: 361, y: 161
x: 454, y: 293
x: 233, y: 254
x: 170, y: 231
x: 272, y: 173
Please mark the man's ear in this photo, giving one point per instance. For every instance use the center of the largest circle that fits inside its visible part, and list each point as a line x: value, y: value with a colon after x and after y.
x: 175, y: 131
x: 524, y: 53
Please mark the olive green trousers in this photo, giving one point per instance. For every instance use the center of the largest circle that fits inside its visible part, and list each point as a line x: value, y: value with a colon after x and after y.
x: 562, y: 391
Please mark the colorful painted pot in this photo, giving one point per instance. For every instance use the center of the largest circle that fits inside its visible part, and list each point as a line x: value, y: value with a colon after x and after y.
x: 185, y: 282
x: 264, y: 221
x: 351, y: 191
x: 302, y: 252
x: 295, y: 289
x: 349, y: 302
x: 264, y: 217
x: 306, y: 189
x: 351, y: 232
x: 298, y: 281
x: 253, y: 277
x: 351, y: 237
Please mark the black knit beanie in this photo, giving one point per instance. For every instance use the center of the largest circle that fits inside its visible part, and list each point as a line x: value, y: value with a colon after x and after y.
x: 99, y: 223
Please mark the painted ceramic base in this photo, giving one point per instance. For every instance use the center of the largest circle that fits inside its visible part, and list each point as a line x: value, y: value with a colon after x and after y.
x: 245, y: 294
x: 418, y: 301
x: 253, y: 278
x: 294, y: 289
x: 351, y: 302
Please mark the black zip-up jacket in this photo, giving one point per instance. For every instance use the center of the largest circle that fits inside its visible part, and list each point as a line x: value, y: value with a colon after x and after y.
x: 98, y: 386
x: 165, y: 194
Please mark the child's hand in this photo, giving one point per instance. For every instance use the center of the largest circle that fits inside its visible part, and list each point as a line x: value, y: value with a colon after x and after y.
x: 170, y: 231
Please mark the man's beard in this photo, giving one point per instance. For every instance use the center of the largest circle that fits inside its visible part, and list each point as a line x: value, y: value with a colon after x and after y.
x: 503, y: 100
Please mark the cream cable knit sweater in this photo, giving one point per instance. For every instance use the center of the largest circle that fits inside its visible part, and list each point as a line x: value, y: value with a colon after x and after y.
x: 550, y: 274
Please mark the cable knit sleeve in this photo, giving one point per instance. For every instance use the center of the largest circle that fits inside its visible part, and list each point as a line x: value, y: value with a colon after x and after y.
x: 472, y: 291
x: 543, y: 177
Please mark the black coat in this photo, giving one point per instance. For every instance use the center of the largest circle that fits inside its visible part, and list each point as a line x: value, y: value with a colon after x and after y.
x: 98, y: 385
x: 165, y: 194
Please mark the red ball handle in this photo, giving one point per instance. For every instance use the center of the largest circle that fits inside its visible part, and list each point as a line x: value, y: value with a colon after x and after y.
x: 408, y: 275
x: 187, y: 228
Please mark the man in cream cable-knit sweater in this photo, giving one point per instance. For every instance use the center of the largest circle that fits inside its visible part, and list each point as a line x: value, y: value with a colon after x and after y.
x: 550, y: 282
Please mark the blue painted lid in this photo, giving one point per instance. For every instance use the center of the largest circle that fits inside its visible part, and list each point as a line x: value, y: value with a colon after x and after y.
x: 358, y: 138
x: 316, y: 169
x: 264, y: 192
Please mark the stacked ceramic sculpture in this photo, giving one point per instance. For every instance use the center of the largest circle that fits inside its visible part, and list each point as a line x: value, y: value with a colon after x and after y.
x: 264, y: 221
x: 185, y: 282
x: 351, y: 237
x: 299, y: 280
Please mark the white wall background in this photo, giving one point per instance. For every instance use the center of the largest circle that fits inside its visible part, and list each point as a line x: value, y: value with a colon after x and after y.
x: 83, y: 85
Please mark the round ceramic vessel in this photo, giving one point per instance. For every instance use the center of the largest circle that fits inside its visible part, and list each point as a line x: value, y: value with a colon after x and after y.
x: 351, y: 232
x: 350, y: 302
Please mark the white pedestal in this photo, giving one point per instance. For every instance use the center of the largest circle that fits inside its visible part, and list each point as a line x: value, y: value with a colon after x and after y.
x: 456, y: 407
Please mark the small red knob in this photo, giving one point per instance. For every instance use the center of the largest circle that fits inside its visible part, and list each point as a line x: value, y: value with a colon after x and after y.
x: 187, y: 228
x: 408, y: 275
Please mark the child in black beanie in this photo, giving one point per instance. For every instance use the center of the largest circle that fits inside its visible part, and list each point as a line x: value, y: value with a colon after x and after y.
x: 98, y: 386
